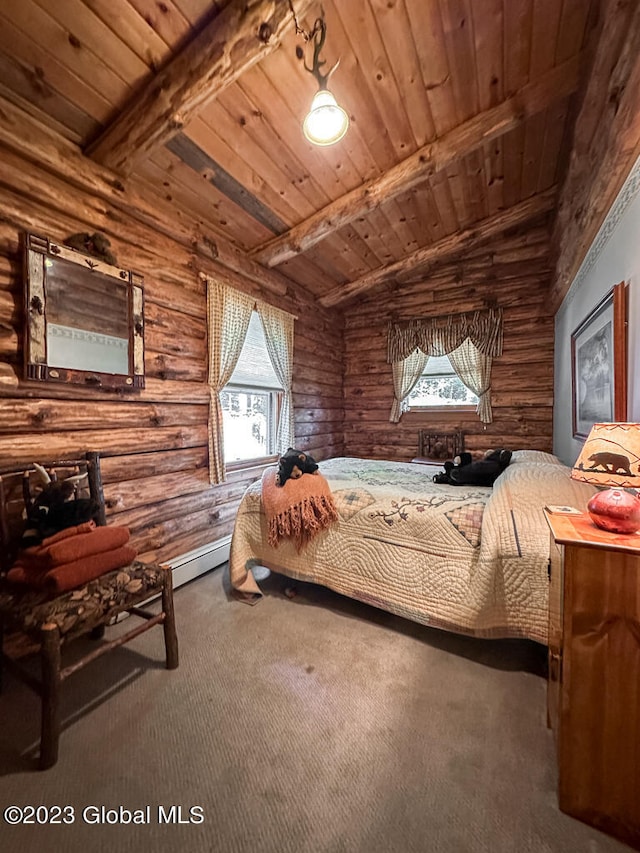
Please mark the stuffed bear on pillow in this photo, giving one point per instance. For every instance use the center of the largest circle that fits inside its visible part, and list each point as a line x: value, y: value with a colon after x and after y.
x: 293, y: 464
x: 463, y: 471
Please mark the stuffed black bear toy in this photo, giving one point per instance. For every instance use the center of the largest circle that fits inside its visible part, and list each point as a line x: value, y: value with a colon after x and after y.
x: 463, y: 471
x: 293, y: 464
x: 454, y: 464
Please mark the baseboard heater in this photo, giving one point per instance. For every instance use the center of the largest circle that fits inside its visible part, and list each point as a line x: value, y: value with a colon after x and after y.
x: 188, y: 566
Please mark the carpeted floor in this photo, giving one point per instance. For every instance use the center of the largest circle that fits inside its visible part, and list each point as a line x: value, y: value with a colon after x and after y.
x: 297, y: 726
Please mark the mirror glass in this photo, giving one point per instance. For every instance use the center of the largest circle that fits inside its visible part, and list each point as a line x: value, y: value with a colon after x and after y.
x: 91, y: 333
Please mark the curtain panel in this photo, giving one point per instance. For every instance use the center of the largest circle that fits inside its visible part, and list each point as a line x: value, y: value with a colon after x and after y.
x: 278, y: 333
x: 470, y: 340
x: 405, y: 377
x: 228, y: 316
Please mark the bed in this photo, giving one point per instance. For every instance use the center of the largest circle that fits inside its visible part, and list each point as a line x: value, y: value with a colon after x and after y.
x: 472, y: 560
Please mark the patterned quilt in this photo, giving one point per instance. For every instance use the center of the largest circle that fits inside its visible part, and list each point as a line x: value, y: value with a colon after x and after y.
x: 467, y: 559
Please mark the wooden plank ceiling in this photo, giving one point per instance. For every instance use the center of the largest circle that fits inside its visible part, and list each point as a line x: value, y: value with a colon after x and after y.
x: 461, y: 117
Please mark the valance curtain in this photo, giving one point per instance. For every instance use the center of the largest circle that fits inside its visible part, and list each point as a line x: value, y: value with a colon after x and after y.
x: 470, y: 340
x: 228, y: 315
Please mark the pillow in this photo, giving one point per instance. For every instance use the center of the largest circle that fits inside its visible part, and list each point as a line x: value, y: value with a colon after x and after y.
x: 533, y: 486
x: 537, y: 456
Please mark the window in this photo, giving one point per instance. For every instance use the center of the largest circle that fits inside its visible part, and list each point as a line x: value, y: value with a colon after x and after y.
x: 250, y: 401
x: 440, y: 386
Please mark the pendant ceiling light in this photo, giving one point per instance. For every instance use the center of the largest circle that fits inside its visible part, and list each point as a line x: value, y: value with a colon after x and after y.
x: 326, y: 122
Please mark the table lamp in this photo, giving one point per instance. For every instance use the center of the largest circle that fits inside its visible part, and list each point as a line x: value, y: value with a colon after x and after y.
x: 610, y: 458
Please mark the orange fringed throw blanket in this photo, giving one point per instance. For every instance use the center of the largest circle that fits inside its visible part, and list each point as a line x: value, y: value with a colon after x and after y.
x: 298, y: 510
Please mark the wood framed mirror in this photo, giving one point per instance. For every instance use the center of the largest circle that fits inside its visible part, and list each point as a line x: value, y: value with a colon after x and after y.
x: 84, y: 319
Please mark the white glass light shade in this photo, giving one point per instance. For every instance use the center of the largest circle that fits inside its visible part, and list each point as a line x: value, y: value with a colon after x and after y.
x: 326, y: 122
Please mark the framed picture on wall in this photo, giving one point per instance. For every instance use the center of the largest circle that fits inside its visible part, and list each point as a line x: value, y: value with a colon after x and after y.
x: 599, y: 364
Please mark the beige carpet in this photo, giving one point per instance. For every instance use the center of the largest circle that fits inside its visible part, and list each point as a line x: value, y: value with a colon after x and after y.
x: 298, y: 726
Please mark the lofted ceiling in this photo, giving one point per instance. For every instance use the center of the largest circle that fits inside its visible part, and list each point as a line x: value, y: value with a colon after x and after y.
x: 461, y: 120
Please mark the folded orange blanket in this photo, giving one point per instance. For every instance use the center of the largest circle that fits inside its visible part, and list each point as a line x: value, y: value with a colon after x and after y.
x: 85, y: 527
x: 74, y: 574
x: 298, y: 510
x: 58, y: 551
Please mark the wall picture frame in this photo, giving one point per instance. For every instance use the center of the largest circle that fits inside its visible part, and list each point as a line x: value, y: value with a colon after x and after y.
x: 599, y: 364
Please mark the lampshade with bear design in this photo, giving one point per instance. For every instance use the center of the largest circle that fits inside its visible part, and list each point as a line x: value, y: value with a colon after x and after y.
x: 610, y: 457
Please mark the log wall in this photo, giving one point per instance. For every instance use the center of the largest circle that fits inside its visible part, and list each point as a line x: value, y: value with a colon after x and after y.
x: 606, y: 142
x: 512, y: 273
x: 153, y: 443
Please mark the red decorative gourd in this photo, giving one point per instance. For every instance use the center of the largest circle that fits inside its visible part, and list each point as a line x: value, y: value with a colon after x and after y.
x: 615, y: 510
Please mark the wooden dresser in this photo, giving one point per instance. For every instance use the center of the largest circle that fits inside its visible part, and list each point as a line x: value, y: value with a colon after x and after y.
x: 594, y: 673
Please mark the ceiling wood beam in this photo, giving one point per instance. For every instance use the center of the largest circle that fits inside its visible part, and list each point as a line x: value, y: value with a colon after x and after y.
x: 243, y: 33
x: 448, y: 247
x: 427, y: 161
x: 212, y: 253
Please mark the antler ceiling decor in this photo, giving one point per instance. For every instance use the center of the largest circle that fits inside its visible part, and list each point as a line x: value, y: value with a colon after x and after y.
x: 326, y: 122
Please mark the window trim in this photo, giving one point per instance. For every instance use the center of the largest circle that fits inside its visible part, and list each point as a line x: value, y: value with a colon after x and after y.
x: 462, y: 407
x: 275, y: 406
x: 444, y: 407
x: 248, y: 464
